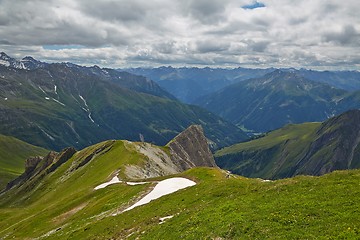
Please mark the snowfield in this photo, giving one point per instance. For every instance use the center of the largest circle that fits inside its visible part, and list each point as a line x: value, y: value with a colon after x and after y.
x: 163, y: 188
x: 112, y: 181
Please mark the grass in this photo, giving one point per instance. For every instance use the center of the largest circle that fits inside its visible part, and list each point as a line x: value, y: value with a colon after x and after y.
x: 217, y: 207
x: 289, y: 132
x: 272, y: 156
x: 13, y: 153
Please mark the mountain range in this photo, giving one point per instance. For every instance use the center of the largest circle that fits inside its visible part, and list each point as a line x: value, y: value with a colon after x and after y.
x: 62, y: 104
x: 276, y: 99
x: 190, y: 84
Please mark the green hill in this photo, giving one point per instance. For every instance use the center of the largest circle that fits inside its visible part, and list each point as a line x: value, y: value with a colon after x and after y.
x: 59, y: 197
x: 309, y: 148
x: 13, y: 153
x: 217, y: 207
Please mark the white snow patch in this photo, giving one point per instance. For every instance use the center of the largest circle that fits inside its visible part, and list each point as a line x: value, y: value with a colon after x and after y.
x: 6, y: 99
x: 58, y: 102
x: 47, y: 98
x: 5, y: 63
x: 162, y: 220
x: 91, y: 117
x: 55, y: 87
x: 112, y: 181
x: 42, y: 89
x: 87, y: 107
x: 136, y: 183
x: 48, y: 135
x: 265, y: 180
x: 163, y: 188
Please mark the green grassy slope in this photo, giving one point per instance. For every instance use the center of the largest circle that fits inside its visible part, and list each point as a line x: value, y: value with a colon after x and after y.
x: 271, y: 156
x: 309, y: 148
x: 217, y: 207
x: 13, y: 153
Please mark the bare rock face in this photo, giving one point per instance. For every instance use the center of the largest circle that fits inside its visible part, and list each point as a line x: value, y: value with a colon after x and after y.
x: 187, y: 150
x: 31, y: 163
x: 190, y: 149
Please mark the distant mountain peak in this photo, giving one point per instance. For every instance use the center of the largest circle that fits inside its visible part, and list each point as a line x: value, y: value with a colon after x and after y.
x: 4, y: 56
x: 28, y: 63
x: 31, y: 63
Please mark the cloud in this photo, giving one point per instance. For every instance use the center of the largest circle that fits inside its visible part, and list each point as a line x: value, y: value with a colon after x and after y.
x: 120, y: 33
x: 348, y: 35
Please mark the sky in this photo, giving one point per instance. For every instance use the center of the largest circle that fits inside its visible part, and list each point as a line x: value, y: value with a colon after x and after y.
x: 315, y: 34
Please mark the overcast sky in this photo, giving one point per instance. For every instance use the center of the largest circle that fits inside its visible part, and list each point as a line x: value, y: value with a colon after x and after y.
x: 318, y: 34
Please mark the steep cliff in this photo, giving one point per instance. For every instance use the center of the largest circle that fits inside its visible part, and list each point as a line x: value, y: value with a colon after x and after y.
x: 190, y: 149
x: 187, y: 150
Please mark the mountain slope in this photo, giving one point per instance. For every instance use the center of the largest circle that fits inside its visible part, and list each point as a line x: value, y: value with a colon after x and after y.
x: 275, y: 100
x: 60, y: 105
x: 309, y: 148
x: 64, y: 205
x: 13, y: 153
x: 347, y: 80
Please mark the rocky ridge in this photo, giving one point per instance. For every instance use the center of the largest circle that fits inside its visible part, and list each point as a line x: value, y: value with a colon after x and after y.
x: 187, y: 150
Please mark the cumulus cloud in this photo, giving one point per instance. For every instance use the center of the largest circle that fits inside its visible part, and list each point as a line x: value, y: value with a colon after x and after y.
x: 122, y: 33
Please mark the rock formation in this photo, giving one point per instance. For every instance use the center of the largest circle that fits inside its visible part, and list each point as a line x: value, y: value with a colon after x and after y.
x: 36, y: 165
x: 190, y: 149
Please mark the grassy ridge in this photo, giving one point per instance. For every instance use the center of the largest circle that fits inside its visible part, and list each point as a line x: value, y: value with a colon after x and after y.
x: 271, y: 156
x: 303, y: 207
x: 304, y: 149
x: 13, y: 153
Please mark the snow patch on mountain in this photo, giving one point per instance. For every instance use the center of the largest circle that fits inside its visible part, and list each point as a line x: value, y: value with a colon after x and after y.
x: 86, y: 109
x: 112, y: 181
x: 163, y: 188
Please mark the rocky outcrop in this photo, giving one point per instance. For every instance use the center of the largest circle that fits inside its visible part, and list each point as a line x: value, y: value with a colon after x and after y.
x: 31, y: 163
x: 41, y: 166
x: 156, y: 163
x: 187, y: 150
x: 190, y: 149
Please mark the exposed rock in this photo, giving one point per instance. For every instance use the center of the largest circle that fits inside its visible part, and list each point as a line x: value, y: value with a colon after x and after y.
x: 187, y: 150
x: 190, y: 149
x: 62, y: 157
x: 35, y: 167
x: 157, y: 162
x: 31, y: 163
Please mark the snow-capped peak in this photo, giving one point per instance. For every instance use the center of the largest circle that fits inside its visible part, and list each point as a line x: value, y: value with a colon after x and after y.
x: 28, y: 63
x: 31, y: 63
